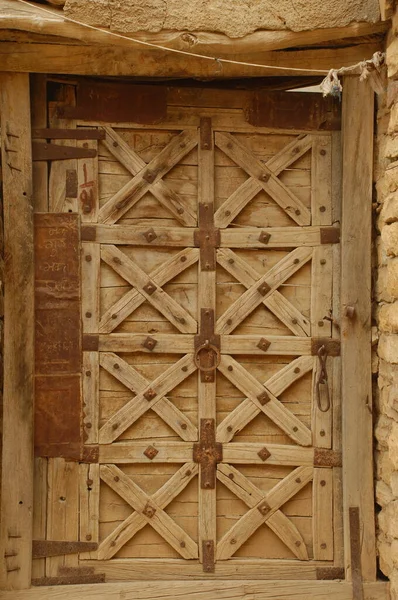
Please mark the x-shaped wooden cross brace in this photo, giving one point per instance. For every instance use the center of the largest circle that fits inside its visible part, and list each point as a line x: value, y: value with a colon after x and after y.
x: 284, y: 310
x: 263, y: 398
x: 148, y: 288
x: 148, y: 510
x: 263, y: 177
x: 134, y: 298
x: 261, y: 289
x: 148, y: 396
x: 264, y: 508
x: 147, y: 177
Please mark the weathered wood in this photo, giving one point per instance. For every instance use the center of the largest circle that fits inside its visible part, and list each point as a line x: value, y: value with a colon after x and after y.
x: 223, y: 589
x: 358, y: 107
x: 17, y: 459
x: 112, y: 60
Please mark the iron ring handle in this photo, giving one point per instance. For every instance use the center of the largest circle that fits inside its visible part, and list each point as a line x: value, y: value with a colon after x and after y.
x: 207, y: 346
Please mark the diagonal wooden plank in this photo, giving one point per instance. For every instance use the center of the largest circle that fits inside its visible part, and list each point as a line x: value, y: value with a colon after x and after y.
x: 138, y: 405
x: 135, y: 382
x: 156, y: 296
x: 246, y: 411
x: 275, y: 302
x: 280, y: 524
x: 150, y: 510
x: 133, y: 299
x: 250, y: 299
x: 130, y: 193
x: 251, y: 521
x: 130, y: 526
x: 270, y: 406
x: 134, y: 164
x: 239, y: 153
x: 248, y: 190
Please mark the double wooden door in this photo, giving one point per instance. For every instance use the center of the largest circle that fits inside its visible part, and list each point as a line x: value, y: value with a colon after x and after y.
x: 210, y: 355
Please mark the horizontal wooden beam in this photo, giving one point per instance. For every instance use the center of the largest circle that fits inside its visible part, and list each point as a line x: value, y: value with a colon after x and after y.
x: 18, y: 17
x: 205, y: 590
x: 118, y: 61
x: 176, y: 569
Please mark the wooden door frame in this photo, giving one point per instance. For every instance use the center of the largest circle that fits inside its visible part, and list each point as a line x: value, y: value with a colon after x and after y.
x: 357, y: 435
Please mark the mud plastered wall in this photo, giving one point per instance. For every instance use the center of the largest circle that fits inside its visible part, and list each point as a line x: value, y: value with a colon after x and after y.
x: 235, y: 19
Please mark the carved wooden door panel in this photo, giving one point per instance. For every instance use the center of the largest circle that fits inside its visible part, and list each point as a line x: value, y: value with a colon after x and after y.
x: 210, y: 380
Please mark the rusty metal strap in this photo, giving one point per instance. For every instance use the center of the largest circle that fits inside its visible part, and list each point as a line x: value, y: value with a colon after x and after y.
x: 355, y: 547
x: 46, y: 548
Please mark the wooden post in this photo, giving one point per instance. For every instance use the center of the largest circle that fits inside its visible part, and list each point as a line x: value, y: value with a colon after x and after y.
x: 17, y: 466
x: 358, y: 114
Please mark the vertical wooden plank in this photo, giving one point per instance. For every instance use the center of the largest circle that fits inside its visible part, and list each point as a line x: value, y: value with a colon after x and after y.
x: 321, y: 307
x: 206, y: 299
x: 338, y: 525
x: 17, y: 465
x: 321, y: 180
x: 322, y: 514
x: 87, y: 176
x: 39, y: 512
x: 358, y: 115
x: 38, y: 87
x: 90, y: 270
x: 60, y: 198
x: 63, y: 510
x: 89, y: 483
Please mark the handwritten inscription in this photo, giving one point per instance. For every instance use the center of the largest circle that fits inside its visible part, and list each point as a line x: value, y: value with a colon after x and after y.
x: 57, y: 294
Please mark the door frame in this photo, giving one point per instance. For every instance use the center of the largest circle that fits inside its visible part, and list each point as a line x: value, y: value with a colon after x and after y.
x: 355, y: 323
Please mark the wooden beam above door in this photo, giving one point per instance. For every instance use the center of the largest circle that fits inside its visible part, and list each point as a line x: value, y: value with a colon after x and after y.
x: 117, y: 61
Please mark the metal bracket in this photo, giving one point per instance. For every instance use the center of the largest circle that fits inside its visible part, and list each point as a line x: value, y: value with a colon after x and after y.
x: 207, y: 346
x: 330, y: 235
x: 56, y: 152
x: 46, y: 548
x: 68, y: 134
x: 208, y: 556
x: 327, y: 458
x: 208, y: 453
x: 355, y: 547
x: 331, y: 347
x: 207, y: 237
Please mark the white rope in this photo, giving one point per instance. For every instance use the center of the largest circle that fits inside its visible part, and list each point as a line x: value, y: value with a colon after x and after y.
x: 217, y: 61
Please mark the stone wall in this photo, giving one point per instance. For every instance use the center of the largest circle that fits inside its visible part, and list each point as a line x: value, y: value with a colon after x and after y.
x: 235, y: 18
x: 385, y: 364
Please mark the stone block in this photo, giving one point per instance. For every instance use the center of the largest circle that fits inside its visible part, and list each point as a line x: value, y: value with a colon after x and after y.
x: 391, y: 278
x: 392, y: 442
x: 389, y: 236
x: 384, y: 466
x: 235, y: 19
x: 388, y: 318
x: 388, y: 348
x: 383, y: 431
x: 381, y: 290
x: 389, y: 211
x: 384, y: 494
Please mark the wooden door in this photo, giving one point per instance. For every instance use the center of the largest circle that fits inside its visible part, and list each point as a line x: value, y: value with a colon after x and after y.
x: 209, y: 349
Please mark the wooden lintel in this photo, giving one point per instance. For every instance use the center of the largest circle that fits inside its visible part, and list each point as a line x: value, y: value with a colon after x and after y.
x: 17, y: 459
x: 121, y: 61
x: 16, y: 17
